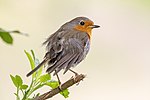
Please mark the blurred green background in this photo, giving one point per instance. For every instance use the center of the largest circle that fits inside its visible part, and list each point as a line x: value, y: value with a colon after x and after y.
x: 118, y: 64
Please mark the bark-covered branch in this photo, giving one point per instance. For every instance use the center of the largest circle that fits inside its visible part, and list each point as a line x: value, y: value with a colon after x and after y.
x: 64, y: 86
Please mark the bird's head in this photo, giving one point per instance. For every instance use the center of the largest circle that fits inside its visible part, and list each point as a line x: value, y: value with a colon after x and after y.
x: 83, y: 24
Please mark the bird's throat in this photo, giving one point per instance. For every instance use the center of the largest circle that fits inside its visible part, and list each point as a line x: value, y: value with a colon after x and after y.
x: 87, y: 30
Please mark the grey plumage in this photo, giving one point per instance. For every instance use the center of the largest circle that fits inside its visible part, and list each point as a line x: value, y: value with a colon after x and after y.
x: 66, y: 48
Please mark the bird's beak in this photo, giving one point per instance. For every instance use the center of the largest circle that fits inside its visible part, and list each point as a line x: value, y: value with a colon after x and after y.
x: 94, y: 26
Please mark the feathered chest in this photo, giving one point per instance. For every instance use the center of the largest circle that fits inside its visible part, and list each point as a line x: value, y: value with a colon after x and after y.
x: 79, y: 41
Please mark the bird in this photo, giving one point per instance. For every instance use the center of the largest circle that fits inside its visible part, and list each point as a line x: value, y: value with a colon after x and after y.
x: 68, y: 46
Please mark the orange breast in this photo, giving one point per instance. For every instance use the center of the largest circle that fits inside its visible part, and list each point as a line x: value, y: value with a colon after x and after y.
x: 84, y: 28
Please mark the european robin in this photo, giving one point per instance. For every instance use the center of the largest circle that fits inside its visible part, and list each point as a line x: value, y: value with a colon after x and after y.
x: 68, y: 46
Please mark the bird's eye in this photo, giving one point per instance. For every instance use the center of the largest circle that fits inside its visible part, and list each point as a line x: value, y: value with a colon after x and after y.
x: 82, y: 23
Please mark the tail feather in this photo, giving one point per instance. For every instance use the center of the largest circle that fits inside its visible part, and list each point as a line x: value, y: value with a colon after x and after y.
x: 36, y: 68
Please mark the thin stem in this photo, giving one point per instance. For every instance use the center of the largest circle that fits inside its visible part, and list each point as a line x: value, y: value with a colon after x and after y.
x: 36, y: 87
x: 18, y: 98
x: 30, y: 88
x: 31, y: 84
x: 33, y: 87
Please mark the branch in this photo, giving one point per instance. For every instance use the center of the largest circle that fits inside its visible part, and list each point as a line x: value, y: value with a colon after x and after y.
x: 64, y: 86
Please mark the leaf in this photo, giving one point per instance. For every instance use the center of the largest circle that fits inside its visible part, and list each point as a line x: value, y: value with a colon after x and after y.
x: 53, y: 84
x: 14, y: 80
x: 24, y: 87
x: 33, y: 55
x: 18, y: 32
x: 65, y: 93
x: 32, y: 64
x: 45, y: 78
x: 30, y: 60
x: 18, y: 80
x: 6, y: 37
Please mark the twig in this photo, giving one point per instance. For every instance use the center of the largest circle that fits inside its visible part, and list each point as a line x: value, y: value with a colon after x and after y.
x: 64, y: 86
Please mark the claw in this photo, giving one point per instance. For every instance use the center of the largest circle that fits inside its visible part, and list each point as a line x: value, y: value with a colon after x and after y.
x: 59, y: 87
x: 76, y: 74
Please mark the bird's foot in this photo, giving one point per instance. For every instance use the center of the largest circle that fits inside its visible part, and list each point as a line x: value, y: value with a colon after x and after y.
x: 59, y: 87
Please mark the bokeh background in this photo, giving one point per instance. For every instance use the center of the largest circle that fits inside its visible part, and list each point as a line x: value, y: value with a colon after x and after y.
x: 118, y: 64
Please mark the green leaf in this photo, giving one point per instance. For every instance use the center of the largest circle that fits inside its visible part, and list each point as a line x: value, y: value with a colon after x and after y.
x: 30, y: 59
x: 19, y: 80
x: 65, y: 93
x: 6, y: 37
x: 18, y: 32
x: 24, y: 87
x: 45, y: 78
x: 32, y: 64
x: 33, y: 55
x: 53, y: 84
x: 14, y: 80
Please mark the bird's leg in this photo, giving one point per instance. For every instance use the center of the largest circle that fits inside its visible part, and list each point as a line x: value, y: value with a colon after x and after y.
x: 74, y: 72
x: 58, y: 80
